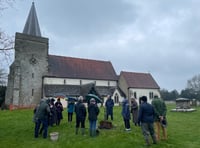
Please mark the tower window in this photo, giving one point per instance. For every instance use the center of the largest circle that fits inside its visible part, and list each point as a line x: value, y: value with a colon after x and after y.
x: 32, y: 92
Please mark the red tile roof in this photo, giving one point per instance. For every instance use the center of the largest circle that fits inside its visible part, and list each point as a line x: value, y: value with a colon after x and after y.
x: 139, y: 80
x: 69, y: 67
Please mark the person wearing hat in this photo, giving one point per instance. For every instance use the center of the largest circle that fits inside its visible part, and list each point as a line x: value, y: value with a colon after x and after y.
x: 146, y: 120
x: 81, y: 113
x: 41, y: 117
x: 93, y: 112
x: 53, y: 115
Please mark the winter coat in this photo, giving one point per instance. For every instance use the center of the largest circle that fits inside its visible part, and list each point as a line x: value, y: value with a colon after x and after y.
x: 59, y: 109
x: 160, y: 108
x: 146, y: 113
x: 134, y: 111
x: 42, y: 111
x: 93, y: 112
x: 70, y: 107
x: 125, y: 109
x: 80, y: 111
x: 109, y: 106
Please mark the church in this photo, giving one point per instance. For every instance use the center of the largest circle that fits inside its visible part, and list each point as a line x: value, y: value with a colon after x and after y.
x: 36, y: 74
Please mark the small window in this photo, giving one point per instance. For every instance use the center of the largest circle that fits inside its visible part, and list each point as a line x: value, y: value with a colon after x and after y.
x: 108, y: 83
x: 135, y: 95
x: 151, y: 95
x: 116, y: 98
x: 32, y: 75
x: 32, y: 92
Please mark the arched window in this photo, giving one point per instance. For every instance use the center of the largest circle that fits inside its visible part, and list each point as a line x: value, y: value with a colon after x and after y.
x: 116, y: 98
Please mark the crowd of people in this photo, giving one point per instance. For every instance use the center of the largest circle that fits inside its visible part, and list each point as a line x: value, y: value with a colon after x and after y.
x: 47, y: 114
x: 150, y: 117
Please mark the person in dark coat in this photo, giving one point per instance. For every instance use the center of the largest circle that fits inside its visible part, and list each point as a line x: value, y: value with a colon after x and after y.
x: 109, y: 107
x: 59, y: 109
x: 41, y: 117
x: 126, y: 114
x: 81, y: 113
x: 146, y: 118
x: 93, y: 112
x: 134, y: 111
x: 53, y: 116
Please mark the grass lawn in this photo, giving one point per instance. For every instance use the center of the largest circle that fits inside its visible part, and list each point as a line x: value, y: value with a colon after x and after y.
x: 17, y: 128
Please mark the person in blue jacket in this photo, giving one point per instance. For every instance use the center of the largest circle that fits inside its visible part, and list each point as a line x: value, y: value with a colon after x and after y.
x: 109, y: 107
x: 126, y: 114
x: 146, y: 119
x: 70, y: 110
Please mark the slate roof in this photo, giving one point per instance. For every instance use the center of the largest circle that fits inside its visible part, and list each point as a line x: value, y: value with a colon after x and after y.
x: 32, y: 26
x: 67, y: 90
x: 69, y: 67
x: 139, y: 80
x: 75, y: 90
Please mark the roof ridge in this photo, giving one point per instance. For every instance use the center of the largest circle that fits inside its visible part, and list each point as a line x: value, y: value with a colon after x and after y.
x: 80, y: 58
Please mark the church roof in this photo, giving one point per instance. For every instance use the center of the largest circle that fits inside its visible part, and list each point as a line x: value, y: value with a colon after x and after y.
x: 32, y: 26
x: 69, y: 67
x: 139, y: 80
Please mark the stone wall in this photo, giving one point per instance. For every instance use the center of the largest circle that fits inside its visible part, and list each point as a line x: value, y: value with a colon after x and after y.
x: 26, y: 73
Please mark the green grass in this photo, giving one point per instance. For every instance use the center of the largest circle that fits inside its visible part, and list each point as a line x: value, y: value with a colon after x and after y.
x: 17, y: 128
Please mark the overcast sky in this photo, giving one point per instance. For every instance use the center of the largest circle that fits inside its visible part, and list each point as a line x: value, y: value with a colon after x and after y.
x: 156, y: 36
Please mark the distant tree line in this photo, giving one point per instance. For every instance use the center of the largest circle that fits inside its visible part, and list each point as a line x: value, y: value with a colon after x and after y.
x: 192, y: 91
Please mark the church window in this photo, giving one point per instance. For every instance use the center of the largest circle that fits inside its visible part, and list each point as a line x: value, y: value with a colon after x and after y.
x: 151, y: 95
x: 131, y: 93
x: 116, y: 98
x: 32, y: 75
x: 135, y: 95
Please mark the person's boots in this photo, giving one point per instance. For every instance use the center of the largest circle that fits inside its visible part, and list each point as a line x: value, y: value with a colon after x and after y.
x: 82, y: 131
x: 147, y: 142
x: 154, y: 139
x: 76, y: 131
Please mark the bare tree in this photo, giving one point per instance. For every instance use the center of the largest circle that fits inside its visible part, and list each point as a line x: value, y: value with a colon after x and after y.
x: 194, y: 83
x: 6, y: 41
x: 6, y: 44
x: 4, y: 4
x: 3, y: 77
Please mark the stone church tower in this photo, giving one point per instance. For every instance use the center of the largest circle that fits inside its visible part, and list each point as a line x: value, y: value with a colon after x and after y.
x: 24, y: 87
